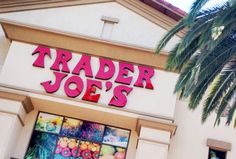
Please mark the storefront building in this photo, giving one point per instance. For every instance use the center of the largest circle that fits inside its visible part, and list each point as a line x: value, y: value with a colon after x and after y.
x: 79, y: 80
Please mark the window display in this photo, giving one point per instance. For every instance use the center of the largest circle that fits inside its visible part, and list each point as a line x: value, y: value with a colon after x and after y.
x: 59, y: 137
x: 112, y: 152
x: 71, y: 127
x: 48, y: 123
x: 215, y: 154
x: 41, y: 146
x: 116, y: 137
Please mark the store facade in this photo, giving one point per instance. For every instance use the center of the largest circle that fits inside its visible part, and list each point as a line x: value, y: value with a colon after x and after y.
x: 80, y: 80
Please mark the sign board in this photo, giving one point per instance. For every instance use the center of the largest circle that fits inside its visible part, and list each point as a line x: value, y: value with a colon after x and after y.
x: 94, y: 79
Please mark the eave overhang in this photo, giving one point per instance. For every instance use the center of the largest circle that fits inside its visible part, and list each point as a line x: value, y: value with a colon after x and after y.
x: 16, y: 31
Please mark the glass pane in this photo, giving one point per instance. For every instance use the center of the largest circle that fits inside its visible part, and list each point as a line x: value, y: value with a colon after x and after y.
x: 117, y: 137
x: 67, y: 148
x: 61, y: 137
x: 71, y: 127
x: 215, y: 154
x: 48, y: 123
x: 41, y: 146
x: 112, y: 152
x: 88, y: 150
x: 92, y: 131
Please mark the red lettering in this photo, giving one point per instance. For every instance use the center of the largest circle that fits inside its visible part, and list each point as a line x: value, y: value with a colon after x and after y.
x: 119, y: 99
x: 74, y: 85
x: 84, y: 64
x: 145, y: 74
x: 77, y: 90
x: 123, y: 73
x: 42, y: 51
x: 51, y: 88
x: 63, y: 57
x: 92, y: 86
x: 102, y: 74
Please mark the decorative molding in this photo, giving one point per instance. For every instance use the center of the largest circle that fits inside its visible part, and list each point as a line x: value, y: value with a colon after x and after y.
x: 143, y: 115
x: 218, y: 145
x: 151, y: 14
x: 11, y: 113
x: 110, y: 19
x: 77, y: 43
x: 154, y: 141
x: 23, y: 5
x: 135, y: 5
x: 25, y: 101
x: 159, y: 125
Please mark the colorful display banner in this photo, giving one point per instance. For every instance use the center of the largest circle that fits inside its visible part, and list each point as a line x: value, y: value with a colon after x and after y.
x: 60, y: 137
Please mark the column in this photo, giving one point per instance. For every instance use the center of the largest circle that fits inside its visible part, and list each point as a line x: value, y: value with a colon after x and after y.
x: 154, y: 139
x: 12, y: 114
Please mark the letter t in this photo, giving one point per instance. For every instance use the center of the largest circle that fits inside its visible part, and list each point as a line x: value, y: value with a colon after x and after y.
x: 42, y: 51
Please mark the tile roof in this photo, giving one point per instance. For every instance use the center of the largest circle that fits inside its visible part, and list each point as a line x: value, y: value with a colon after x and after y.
x: 166, y: 8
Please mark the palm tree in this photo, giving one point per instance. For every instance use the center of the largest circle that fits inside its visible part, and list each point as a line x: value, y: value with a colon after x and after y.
x: 206, y: 58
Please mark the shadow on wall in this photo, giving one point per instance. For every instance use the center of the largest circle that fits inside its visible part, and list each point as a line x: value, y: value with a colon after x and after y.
x: 4, y: 45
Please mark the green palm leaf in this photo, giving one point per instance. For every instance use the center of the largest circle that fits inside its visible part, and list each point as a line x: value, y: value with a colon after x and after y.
x: 219, y: 87
x: 212, y: 65
x: 231, y: 114
x: 205, y: 58
x: 225, y: 101
x: 196, y: 6
x: 169, y: 35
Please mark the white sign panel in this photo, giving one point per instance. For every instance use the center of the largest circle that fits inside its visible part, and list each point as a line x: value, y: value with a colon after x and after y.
x: 81, y: 76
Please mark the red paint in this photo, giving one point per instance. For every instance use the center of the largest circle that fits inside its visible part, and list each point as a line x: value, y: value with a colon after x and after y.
x: 119, y: 99
x: 102, y: 72
x: 42, y: 51
x: 108, y: 85
x: 62, y: 58
x: 84, y: 64
x: 145, y: 74
x: 79, y: 86
x: 124, y: 69
x: 51, y: 88
x: 90, y: 94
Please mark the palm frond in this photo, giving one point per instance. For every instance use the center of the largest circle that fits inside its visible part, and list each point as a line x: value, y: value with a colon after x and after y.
x: 201, y: 26
x: 219, y: 88
x: 176, y: 61
x: 210, y: 68
x: 206, y: 58
x: 231, y: 113
x: 225, y: 102
x: 162, y: 43
x: 195, y: 8
x: 186, y: 74
x: 200, y: 89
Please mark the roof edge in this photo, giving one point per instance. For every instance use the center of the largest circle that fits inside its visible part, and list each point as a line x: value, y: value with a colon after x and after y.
x: 32, y: 34
x: 166, y: 8
x: 148, y: 12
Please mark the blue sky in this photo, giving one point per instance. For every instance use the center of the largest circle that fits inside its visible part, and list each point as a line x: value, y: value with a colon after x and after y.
x: 186, y: 4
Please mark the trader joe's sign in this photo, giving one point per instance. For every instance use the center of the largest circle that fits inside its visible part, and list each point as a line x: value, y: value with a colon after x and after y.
x: 101, y: 78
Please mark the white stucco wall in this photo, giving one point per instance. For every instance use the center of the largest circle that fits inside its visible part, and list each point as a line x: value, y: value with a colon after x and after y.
x: 191, y: 137
x: 10, y: 124
x: 6, y: 121
x: 20, y: 62
x: 132, y: 28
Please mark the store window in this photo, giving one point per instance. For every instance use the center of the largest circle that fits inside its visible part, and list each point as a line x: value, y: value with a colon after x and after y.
x: 218, y: 149
x: 215, y: 154
x: 60, y: 137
